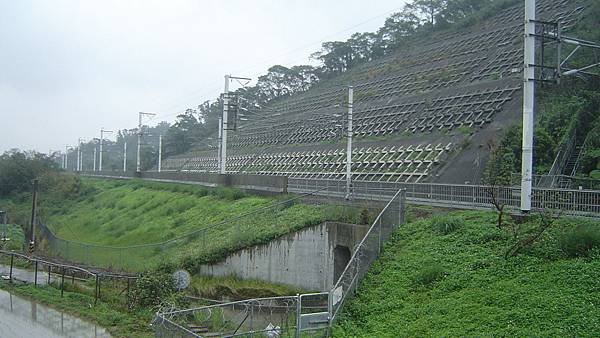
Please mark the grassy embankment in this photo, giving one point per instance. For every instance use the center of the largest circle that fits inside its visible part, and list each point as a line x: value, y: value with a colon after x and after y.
x: 125, y: 213
x: 447, y: 277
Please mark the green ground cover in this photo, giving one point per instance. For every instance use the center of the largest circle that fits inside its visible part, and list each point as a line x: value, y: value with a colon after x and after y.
x: 196, y: 225
x: 453, y: 281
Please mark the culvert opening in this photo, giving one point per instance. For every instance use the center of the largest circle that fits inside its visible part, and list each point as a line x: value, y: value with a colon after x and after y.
x: 341, y: 258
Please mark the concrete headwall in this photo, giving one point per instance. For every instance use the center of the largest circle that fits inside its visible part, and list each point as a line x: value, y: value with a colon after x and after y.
x: 263, y: 183
x: 310, y: 259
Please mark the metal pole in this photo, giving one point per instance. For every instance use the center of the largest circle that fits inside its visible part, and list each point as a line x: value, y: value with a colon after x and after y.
x: 349, y: 149
x: 33, y: 214
x: 219, y: 154
x: 95, y: 155
x: 159, y: 152
x: 101, y: 150
x: 66, y: 157
x: 124, y: 155
x: 224, y: 126
x: 528, y: 106
x: 139, y: 143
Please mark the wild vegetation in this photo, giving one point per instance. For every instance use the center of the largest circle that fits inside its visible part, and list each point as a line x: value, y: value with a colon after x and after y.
x: 459, y: 283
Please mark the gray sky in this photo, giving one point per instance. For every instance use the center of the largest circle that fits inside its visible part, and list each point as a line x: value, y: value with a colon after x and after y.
x: 68, y: 68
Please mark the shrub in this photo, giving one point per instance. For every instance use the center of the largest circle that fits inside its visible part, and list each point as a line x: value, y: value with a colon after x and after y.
x: 151, y: 288
x: 580, y: 241
x: 429, y: 275
x: 445, y: 224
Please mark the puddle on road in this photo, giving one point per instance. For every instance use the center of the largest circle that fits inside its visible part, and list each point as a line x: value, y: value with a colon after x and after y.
x: 21, y: 317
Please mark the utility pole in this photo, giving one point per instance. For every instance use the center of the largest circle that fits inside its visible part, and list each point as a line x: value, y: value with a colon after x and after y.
x: 124, y: 155
x: 219, y: 154
x: 139, y: 140
x: 79, y: 155
x: 66, y: 157
x: 528, y: 106
x: 349, y: 149
x: 95, y: 155
x: 224, y: 127
x: 159, y: 151
x: 102, y: 131
x: 33, y: 216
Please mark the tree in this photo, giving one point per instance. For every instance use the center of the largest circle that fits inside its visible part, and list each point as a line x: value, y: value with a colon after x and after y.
x: 427, y: 10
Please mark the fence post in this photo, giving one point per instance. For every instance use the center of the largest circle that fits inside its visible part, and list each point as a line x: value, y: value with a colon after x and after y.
x: 379, y: 237
x: 298, y: 313
x: 96, y: 288
x: 11, y: 268
x: 62, y: 280
x: 35, y: 273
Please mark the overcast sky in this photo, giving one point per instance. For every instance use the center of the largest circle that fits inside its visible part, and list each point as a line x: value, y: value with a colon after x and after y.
x: 68, y: 68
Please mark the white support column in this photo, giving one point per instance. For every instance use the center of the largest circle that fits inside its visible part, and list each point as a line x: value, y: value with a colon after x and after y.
x: 101, y: 150
x: 139, y: 144
x: 159, y: 152
x: 349, y: 149
x: 95, y: 155
x: 124, y: 155
x: 528, y: 107
x: 219, y: 154
x: 224, y: 127
x: 67, y: 158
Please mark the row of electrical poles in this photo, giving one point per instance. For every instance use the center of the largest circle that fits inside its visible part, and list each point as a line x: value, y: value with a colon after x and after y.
x: 79, y: 151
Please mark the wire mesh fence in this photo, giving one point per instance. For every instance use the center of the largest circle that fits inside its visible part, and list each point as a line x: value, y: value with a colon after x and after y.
x: 233, y: 233
x: 304, y: 315
x: 367, y: 251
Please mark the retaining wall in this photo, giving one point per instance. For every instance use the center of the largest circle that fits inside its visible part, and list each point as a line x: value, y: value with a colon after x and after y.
x: 308, y: 259
x: 259, y: 183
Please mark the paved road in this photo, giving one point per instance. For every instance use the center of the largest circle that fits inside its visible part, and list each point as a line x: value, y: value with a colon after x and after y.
x: 26, y: 276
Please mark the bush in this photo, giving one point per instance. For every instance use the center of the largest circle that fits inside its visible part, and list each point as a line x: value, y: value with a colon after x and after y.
x: 151, y: 288
x: 429, y: 275
x: 580, y: 241
x: 445, y: 224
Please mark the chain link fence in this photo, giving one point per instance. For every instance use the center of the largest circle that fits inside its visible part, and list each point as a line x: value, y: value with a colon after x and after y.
x: 233, y: 233
x: 367, y: 251
x: 305, y: 315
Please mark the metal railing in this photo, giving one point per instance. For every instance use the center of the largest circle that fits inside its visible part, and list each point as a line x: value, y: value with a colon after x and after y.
x: 287, y: 316
x: 367, y: 251
x: 304, y: 315
x: 39, y: 271
x: 572, y: 202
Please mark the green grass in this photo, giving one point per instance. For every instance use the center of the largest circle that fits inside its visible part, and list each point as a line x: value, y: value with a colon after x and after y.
x: 237, y: 289
x: 117, y: 320
x: 430, y: 284
x: 196, y: 221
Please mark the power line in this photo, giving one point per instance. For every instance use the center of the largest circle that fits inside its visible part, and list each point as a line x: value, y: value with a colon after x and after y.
x: 204, y: 90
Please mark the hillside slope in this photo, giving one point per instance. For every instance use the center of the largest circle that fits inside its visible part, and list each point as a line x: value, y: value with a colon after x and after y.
x: 424, y: 113
x: 456, y: 285
x: 138, y: 225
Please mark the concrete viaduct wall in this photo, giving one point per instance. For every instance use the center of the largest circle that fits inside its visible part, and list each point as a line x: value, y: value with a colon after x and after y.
x: 260, y: 183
